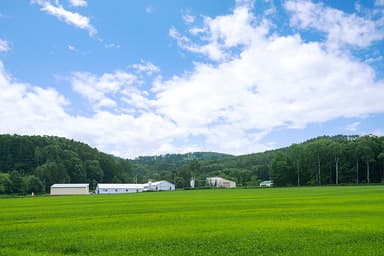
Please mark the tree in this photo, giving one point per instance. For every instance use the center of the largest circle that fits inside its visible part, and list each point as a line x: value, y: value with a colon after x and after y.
x: 381, y: 157
x: 296, y: 153
x: 5, y: 183
x: 194, y: 168
x: 283, y: 171
x: 336, y: 151
x: 364, y: 147
x: 33, y: 184
x: 17, y: 183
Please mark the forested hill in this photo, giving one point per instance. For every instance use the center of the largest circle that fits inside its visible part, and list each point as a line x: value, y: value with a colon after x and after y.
x: 319, y: 161
x: 33, y: 163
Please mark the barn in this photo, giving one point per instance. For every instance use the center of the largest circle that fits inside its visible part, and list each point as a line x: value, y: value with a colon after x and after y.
x: 70, y: 189
x: 108, y: 188
x: 219, y: 182
x: 159, y: 186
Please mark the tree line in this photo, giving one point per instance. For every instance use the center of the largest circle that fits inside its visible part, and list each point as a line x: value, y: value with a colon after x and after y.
x: 320, y: 161
x: 33, y: 163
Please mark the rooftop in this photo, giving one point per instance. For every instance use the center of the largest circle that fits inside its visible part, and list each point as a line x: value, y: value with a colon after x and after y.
x: 74, y: 185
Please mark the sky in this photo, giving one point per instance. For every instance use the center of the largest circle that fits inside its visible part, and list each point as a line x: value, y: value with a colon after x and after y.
x: 144, y: 77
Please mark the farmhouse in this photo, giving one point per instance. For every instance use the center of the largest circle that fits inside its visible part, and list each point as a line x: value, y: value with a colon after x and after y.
x: 219, y: 182
x: 104, y: 188
x: 159, y: 185
x: 70, y: 189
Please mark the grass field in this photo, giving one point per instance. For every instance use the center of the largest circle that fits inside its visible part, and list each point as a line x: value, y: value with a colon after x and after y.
x: 278, y: 221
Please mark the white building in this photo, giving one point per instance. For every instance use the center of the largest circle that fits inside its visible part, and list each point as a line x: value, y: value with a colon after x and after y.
x: 70, y: 189
x: 266, y: 183
x: 104, y: 188
x: 219, y: 182
x: 159, y: 185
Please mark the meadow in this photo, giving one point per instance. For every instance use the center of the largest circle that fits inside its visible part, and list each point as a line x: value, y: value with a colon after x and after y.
x: 273, y: 221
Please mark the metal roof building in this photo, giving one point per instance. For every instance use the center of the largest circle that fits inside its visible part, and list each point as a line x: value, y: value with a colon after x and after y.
x: 159, y: 185
x: 219, y: 182
x: 109, y: 188
x: 70, y: 189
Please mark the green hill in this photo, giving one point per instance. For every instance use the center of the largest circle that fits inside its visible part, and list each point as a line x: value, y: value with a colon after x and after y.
x: 33, y: 163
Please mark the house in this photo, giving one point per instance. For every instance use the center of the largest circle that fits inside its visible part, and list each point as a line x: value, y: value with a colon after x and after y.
x: 108, y: 188
x: 219, y: 182
x: 70, y: 189
x: 159, y: 185
x: 266, y: 183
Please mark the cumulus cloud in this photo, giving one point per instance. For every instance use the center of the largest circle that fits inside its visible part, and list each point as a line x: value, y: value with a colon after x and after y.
x: 4, y: 46
x: 146, y: 67
x: 259, y: 81
x: 78, y: 3
x: 32, y: 110
x: 71, y: 18
x: 29, y: 109
x: 340, y: 27
x: 101, y: 90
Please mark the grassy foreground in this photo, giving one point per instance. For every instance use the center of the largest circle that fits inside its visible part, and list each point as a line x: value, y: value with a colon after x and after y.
x: 278, y: 221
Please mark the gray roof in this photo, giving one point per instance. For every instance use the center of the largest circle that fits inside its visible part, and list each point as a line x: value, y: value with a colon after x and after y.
x: 117, y: 186
x: 74, y: 185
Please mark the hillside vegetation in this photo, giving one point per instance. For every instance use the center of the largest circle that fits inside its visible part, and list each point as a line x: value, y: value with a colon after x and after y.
x: 319, y: 161
x: 33, y: 163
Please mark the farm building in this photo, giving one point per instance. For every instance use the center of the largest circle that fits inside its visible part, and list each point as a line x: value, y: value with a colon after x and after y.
x: 70, y: 189
x: 266, y: 183
x: 219, y: 182
x: 159, y: 185
x: 103, y: 188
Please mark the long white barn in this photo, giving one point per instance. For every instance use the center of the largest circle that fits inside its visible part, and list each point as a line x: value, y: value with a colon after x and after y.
x: 113, y: 188
x: 109, y: 188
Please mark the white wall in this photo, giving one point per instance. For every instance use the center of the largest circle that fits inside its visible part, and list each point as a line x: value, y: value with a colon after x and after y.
x: 70, y: 191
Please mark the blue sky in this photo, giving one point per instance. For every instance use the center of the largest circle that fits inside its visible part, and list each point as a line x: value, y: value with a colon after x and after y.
x: 153, y: 77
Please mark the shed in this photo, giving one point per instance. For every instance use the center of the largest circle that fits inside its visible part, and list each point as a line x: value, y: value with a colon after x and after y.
x: 219, y: 182
x: 159, y: 185
x: 109, y: 188
x: 70, y: 189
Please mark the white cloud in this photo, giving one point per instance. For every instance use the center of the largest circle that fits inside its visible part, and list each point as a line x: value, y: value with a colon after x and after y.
x: 100, y: 90
x: 32, y: 110
x: 78, y: 3
x: 146, y: 67
x: 72, y: 48
x: 269, y: 82
x: 111, y: 45
x: 352, y: 127
x: 222, y: 33
x: 71, y: 18
x: 4, y: 46
x: 29, y: 109
x: 341, y: 28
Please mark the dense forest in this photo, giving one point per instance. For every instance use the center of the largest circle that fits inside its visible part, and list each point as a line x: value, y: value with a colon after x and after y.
x: 33, y: 163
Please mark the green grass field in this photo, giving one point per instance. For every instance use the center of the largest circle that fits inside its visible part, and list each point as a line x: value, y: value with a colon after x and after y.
x: 277, y: 221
